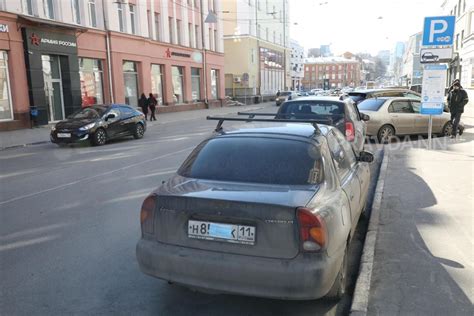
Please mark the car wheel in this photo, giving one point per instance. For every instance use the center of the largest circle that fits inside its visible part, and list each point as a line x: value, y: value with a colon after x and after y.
x: 338, y: 289
x: 447, y: 129
x: 99, y: 138
x: 139, y: 131
x: 385, y: 134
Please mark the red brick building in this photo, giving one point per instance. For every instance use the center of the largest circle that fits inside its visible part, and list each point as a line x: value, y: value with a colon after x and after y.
x: 331, y: 72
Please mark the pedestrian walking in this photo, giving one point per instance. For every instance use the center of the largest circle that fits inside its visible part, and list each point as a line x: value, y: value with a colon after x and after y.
x: 457, y: 99
x: 143, y: 104
x: 152, y: 104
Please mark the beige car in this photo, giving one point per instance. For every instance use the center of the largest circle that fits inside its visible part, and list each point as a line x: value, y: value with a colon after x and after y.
x: 401, y: 116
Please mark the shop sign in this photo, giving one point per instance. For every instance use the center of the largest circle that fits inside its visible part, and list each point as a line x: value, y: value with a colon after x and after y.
x: 3, y: 28
x: 36, y: 39
x: 169, y: 54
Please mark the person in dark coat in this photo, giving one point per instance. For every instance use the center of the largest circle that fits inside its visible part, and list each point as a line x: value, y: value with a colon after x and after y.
x: 152, y: 104
x: 457, y: 99
x: 143, y: 104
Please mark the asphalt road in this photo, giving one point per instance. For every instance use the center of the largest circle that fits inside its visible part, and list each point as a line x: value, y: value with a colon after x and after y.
x: 69, y: 223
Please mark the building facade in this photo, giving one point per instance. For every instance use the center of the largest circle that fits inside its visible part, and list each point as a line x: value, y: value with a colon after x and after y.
x: 57, y: 56
x: 395, y: 68
x: 462, y: 65
x: 331, y: 72
x: 256, y: 40
x: 412, y: 68
x: 296, y: 65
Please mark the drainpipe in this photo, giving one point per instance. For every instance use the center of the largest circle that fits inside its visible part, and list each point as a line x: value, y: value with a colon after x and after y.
x: 109, y: 57
x: 204, y: 61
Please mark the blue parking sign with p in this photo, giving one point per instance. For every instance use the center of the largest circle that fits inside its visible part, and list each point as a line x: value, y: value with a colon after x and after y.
x: 439, y: 31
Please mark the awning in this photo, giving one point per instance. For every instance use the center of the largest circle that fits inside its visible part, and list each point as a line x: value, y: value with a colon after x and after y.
x: 25, y: 19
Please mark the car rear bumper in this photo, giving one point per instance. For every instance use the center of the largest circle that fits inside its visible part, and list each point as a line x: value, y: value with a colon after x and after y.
x: 307, y: 276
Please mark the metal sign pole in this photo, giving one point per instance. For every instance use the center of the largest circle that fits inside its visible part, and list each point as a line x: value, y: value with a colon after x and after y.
x: 430, y: 128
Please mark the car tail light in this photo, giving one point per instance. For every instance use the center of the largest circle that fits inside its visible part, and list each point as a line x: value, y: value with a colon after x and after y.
x: 147, y: 214
x: 350, y: 131
x: 313, y: 232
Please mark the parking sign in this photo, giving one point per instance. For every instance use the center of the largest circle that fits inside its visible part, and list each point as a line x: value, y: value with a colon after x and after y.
x: 438, y: 31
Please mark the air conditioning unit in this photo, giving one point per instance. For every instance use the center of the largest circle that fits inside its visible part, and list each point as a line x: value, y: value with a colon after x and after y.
x: 237, y: 79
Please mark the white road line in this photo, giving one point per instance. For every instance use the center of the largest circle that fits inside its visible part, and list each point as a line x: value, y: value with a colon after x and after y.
x: 59, y: 187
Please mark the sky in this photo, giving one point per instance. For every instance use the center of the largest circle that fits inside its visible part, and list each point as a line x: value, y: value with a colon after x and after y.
x: 358, y: 26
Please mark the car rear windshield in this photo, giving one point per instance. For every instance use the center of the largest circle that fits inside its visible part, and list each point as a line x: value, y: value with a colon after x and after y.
x: 357, y: 97
x: 371, y: 104
x: 254, y: 160
x: 309, y: 109
x: 285, y: 93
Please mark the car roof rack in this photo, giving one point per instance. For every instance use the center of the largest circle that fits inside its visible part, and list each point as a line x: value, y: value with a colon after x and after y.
x: 320, y: 119
x: 221, y: 120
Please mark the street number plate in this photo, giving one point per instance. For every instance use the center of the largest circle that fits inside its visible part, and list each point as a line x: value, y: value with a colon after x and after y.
x: 64, y: 135
x: 240, y: 234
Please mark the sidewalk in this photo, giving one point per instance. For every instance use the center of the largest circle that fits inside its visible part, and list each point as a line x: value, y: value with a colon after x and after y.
x: 39, y: 135
x: 419, y: 252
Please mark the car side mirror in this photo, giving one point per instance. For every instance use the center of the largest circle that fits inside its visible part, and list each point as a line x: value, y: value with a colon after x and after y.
x: 364, y: 117
x: 110, y: 116
x: 365, y: 156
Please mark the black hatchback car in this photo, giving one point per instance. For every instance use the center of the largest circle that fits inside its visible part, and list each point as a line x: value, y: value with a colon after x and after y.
x: 98, y: 124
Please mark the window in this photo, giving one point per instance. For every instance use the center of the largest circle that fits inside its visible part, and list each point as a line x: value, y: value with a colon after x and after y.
x: 266, y: 33
x: 48, y: 9
x: 400, y: 107
x: 457, y: 41
x: 157, y: 27
x: 196, y: 36
x: 150, y: 24
x: 258, y: 4
x: 190, y: 35
x: 91, y: 74
x: 92, y: 16
x: 211, y: 40
x: 371, y: 104
x: 195, y: 84
x: 6, y: 111
x: 274, y: 36
x: 27, y: 7
x: 171, y: 28
x: 455, y: 10
x: 76, y: 14
x: 120, y: 17
x: 132, y: 19
x: 459, y: 7
x: 259, y: 30
x: 462, y: 39
x: 130, y: 79
x: 178, y: 32
x: 216, y: 40
x: 177, y: 73
x: 227, y: 159
x: 157, y: 82
x: 214, y: 84
x: 416, y: 106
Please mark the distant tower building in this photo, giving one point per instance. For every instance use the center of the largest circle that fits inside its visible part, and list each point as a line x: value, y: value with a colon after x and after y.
x: 325, y: 50
x: 296, y: 64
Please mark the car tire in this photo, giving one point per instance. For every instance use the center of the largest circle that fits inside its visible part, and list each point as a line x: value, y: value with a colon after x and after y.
x: 385, y: 133
x: 99, y: 138
x: 139, y: 131
x: 447, y: 130
x: 338, y: 289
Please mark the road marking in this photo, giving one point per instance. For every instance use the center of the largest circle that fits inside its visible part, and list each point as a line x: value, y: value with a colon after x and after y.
x: 30, y: 242
x: 62, y: 186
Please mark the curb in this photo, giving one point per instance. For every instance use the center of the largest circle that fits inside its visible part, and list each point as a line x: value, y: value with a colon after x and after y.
x: 24, y: 145
x: 360, y: 300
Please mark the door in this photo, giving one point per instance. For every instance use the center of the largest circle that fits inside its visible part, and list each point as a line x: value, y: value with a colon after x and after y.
x: 359, y: 127
x: 114, y: 128
x: 421, y: 120
x: 402, y: 116
x: 346, y: 167
x: 53, y: 87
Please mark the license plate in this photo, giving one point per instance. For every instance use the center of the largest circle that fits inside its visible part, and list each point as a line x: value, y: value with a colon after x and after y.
x: 64, y: 135
x: 240, y: 234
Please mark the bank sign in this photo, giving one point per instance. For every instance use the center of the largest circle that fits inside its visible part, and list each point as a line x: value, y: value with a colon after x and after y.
x: 49, y: 41
x: 439, y: 31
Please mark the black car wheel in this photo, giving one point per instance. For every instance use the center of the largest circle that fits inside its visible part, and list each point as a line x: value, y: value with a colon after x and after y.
x: 385, y: 134
x: 99, y: 138
x: 447, y: 129
x: 139, y: 131
x: 338, y: 289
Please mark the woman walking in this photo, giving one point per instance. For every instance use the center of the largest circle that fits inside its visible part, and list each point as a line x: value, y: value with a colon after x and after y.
x: 143, y: 104
x: 152, y: 104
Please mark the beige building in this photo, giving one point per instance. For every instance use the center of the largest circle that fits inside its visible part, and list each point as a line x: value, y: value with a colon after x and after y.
x: 257, y: 50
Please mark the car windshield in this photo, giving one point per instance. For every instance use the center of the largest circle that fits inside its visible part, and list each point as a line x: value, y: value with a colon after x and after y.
x: 89, y: 113
x: 307, y: 109
x: 371, y: 104
x: 285, y: 93
x: 227, y: 159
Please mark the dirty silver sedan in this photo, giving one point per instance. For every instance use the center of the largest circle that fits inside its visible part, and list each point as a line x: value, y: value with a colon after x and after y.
x: 263, y: 211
